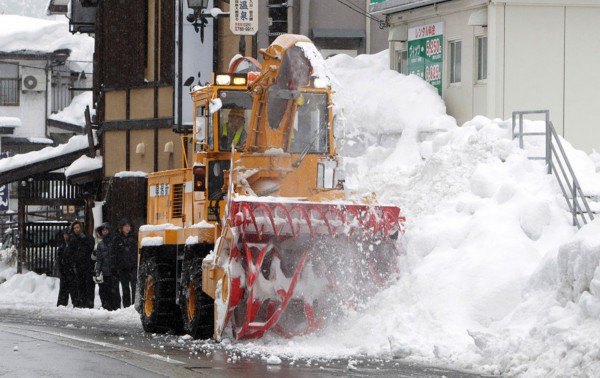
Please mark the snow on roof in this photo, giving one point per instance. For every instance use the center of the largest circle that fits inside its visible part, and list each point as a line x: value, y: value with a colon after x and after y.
x: 19, y: 33
x: 78, y: 142
x: 10, y: 122
x: 74, y: 113
x: 36, y: 140
x: 84, y: 164
x: 131, y: 174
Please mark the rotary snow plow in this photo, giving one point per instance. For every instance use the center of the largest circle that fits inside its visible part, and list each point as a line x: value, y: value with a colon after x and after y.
x: 289, y: 266
x: 254, y: 234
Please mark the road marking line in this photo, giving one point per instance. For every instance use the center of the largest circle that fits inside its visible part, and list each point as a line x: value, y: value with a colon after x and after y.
x: 108, y: 345
x: 119, y: 348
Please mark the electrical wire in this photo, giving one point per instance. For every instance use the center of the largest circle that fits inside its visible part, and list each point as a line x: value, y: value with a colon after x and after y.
x: 44, y: 68
x: 382, y: 24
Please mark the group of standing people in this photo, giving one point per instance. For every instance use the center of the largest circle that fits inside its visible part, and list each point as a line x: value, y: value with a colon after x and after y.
x: 113, y: 261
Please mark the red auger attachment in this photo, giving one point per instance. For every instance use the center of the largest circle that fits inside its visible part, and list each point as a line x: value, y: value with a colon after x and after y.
x: 291, y: 265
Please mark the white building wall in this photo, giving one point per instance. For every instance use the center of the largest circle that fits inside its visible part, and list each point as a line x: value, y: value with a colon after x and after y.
x: 533, y: 54
x: 582, y: 77
x: 495, y: 82
x: 468, y: 98
x: 32, y: 104
x: 549, y: 54
x: 542, y: 54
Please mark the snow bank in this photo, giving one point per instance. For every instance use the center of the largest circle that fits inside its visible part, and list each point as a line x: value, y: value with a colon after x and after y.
x: 37, y: 295
x: 483, y: 222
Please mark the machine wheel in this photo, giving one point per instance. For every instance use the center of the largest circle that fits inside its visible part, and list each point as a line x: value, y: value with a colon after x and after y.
x: 158, y: 310
x: 197, y: 308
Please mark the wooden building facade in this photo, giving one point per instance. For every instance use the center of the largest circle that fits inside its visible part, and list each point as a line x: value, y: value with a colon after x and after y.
x: 133, y: 92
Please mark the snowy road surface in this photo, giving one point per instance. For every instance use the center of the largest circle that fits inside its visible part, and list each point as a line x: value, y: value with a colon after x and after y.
x: 50, y: 347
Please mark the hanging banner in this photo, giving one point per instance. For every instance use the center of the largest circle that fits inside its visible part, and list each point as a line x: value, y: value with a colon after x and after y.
x: 243, y: 17
x: 426, y: 53
x: 3, y: 189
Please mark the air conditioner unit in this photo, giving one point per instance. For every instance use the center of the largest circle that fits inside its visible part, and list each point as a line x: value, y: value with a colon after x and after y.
x: 33, y: 82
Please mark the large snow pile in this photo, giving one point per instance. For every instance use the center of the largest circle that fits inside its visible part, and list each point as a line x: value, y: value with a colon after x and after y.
x: 494, y: 276
x: 382, y: 106
x: 37, y: 295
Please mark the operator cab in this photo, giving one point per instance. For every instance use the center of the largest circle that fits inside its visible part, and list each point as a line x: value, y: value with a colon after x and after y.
x: 225, y: 117
x: 222, y: 119
x: 233, y: 118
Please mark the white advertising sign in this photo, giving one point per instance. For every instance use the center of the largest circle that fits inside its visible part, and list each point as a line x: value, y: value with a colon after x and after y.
x: 243, y: 17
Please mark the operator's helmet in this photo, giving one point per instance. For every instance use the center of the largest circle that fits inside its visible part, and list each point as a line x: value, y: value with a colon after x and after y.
x: 237, y: 112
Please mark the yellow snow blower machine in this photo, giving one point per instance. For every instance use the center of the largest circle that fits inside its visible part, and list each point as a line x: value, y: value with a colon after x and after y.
x: 257, y: 234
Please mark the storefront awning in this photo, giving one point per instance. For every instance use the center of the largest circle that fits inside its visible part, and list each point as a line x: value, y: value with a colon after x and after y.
x: 393, y: 6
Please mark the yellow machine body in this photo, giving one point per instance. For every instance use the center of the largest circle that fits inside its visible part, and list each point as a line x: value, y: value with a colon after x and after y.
x: 258, y: 195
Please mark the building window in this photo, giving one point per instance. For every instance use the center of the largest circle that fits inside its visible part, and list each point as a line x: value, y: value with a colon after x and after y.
x: 62, y: 81
x: 482, y: 58
x: 278, y: 19
x: 402, y: 62
x: 455, y: 61
x: 9, y: 84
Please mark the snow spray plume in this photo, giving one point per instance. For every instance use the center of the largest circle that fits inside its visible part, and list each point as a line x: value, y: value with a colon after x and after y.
x: 352, y: 268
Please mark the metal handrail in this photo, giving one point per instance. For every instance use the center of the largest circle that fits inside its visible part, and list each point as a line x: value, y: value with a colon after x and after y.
x: 555, y: 156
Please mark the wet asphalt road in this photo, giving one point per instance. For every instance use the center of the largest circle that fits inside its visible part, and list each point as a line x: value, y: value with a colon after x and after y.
x: 48, y: 347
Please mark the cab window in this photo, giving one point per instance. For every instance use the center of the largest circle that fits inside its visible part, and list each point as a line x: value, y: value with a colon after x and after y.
x: 234, y: 118
x: 310, y: 126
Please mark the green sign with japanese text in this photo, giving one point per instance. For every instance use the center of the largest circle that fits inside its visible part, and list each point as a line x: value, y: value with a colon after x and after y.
x: 426, y: 53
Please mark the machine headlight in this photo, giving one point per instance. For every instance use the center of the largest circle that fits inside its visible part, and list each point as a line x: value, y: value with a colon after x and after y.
x: 223, y: 80
x: 238, y: 80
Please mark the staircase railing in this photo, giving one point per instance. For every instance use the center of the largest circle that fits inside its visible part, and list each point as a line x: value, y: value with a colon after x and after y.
x: 557, y: 163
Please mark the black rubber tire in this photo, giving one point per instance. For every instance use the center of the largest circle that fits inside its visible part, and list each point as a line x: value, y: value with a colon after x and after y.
x: 156, y: 282
x: 197, y: 308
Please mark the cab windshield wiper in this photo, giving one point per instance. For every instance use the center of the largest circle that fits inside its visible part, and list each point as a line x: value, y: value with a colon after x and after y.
x: 297, y: 163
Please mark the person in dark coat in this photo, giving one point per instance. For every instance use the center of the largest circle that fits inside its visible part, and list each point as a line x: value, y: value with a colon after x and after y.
x: 126, y: 244
x: 66, y: 272
x: 106, y: 269
x: 82, y: 247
